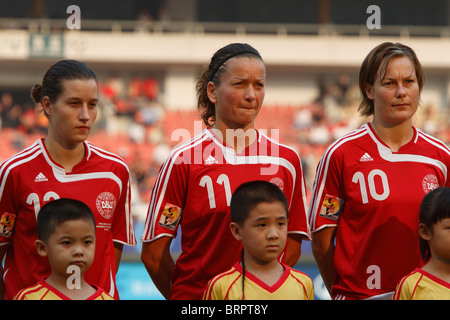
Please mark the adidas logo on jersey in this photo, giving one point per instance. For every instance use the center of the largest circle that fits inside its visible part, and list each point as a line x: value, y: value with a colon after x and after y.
x: 211, y: 160
x: 366, y: 157
x: 40, y: 177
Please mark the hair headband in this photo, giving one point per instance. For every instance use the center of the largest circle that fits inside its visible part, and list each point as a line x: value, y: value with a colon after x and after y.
x: 230, y: 57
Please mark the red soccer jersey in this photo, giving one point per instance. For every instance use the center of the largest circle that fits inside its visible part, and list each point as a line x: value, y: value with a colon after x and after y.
x: 373, y: 196
x: 194, y: 190
x: 30, y: 179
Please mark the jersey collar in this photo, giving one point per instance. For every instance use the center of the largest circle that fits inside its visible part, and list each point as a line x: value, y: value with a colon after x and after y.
x: 380, y: 142
x: 56, y: 165
x: 219, y: 141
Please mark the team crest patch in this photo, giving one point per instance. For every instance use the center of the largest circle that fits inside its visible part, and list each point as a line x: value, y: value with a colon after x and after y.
x: 106, y: 204
x: 331, y: 207
x: 7, y: 224
x: 429, y: 182
x: 170, y: 216
x: 278, y: 182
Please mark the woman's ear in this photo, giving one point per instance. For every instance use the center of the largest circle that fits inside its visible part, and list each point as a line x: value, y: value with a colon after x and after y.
x: 424, y: 232
x: 46, y: 105
x: 211, y: 91
x: 41, y: 248
x: 369, y: 91
x: 236, y: 231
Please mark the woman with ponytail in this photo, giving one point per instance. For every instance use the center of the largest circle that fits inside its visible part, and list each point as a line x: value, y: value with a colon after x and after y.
x: 63, y: 165
x: 194, y: 186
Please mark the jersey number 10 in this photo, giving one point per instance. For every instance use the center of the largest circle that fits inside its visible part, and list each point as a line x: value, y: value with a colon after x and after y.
x: 358, y: 177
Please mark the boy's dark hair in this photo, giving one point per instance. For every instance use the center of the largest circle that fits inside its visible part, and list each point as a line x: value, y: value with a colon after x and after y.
x: 245, y: 198
x: 56, y: 212
x: 435, y: 206
x: 250, y: 194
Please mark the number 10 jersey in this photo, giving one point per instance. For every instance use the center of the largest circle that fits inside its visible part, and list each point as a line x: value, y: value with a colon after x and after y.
x: 372, y: 195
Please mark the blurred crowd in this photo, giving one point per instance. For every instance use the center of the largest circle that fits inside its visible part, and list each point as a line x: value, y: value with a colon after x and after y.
x: 134, y: 124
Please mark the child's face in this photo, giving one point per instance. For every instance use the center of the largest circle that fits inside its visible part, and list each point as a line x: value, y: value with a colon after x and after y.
x: 72, y: 243
x: 264, y: 232
x: 439, y: 239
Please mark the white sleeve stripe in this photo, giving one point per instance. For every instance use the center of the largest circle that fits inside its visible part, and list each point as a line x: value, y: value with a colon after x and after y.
x: 164, y: 176
x: 108, y: 155
x: 386, y: 153
x: 8, y: 167
x: 26, y: 152
x: 322, y: 172
x: 161, y: 185
x: 128, y: 217
x: 436, y: 142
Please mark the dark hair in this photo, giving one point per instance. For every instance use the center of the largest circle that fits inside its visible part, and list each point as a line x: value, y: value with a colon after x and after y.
x: 250, y: 194
x: 435, y: 206
x: 52, y: 81
x: 245, y: 198
x: 375, y: 65
x: 213, y: 73
x: 56, y: 212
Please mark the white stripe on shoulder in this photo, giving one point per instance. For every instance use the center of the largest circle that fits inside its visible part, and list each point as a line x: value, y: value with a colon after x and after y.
x: 107, y: 155
x: 386, y: 153
x: 434, y: 141
x: 322, y: 170
x: 23, y: 157
x: 162, y: 181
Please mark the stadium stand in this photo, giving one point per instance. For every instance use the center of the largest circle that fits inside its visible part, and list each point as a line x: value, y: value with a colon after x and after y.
x: 148, y: 53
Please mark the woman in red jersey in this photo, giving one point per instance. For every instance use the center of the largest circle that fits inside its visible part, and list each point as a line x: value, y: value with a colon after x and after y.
x: 370, y: 183
x: 194, y: 186
x: 64, y: 165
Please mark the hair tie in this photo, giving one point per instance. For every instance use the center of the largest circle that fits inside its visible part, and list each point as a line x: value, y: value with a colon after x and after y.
x: 228, y: 58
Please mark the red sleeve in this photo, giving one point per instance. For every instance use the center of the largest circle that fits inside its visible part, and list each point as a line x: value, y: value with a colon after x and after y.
x: 122, y: 227
x: 8, y: 212
x: 298, y: 222
x: 328, y: 194
x: 167, y: 200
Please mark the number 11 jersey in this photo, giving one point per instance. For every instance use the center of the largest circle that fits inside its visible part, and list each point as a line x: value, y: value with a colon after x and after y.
x: 194, y: 189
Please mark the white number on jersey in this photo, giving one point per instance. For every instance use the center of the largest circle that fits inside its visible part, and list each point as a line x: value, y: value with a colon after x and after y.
x: 33, y: 199
x: 222, y: 180
x: 358, y: 177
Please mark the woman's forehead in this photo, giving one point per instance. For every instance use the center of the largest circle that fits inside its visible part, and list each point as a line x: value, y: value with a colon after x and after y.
x: 243, y: 65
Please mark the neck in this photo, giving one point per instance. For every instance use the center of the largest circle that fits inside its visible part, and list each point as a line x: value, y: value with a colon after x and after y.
x: 268, y: 272
x: 64, y: 154
x: 237, y: 138
x: 439, y: 268
x: 79, y: 291
x: 394, y: 136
